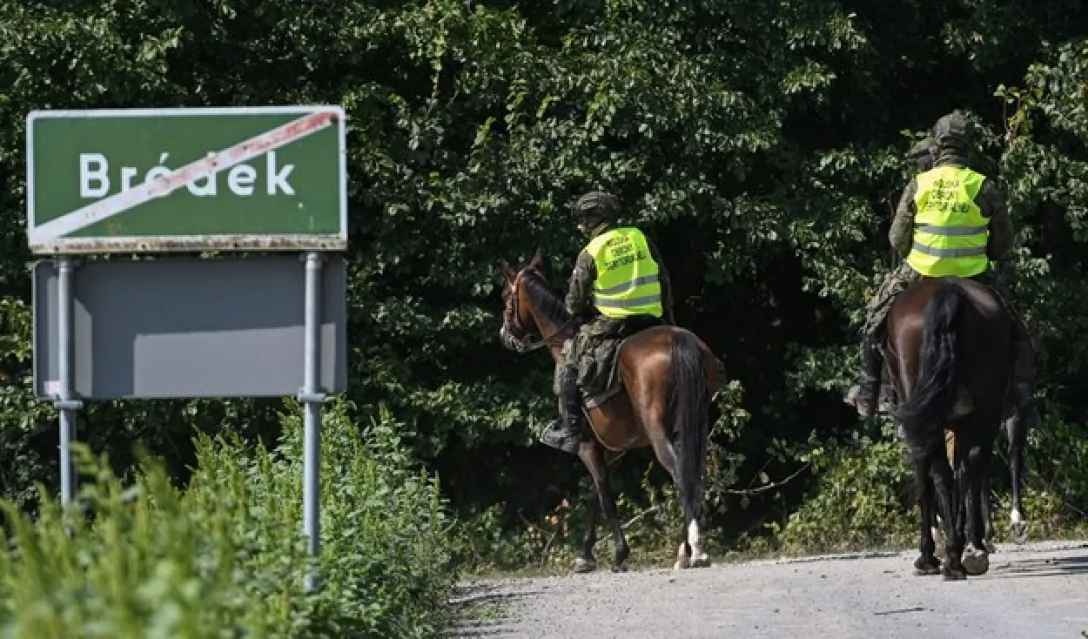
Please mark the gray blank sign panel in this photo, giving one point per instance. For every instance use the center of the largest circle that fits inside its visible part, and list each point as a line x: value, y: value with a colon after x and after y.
x: 172, y: 328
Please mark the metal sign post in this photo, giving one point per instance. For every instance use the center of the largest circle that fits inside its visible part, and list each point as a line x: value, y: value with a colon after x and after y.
x: 65, y: 401
x: 312, y: 398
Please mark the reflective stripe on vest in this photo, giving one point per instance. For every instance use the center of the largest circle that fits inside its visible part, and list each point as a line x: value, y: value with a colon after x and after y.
x: 951, y: 234
x: 627, y: 276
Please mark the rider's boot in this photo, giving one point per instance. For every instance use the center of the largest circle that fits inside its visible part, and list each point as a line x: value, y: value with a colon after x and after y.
x: 567, y: 432
x: 863, y: 394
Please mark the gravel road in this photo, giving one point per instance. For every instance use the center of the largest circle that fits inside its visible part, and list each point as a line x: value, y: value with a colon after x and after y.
x: 1033, y: 591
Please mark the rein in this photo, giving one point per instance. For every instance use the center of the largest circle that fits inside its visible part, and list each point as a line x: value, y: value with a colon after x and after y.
x: 525, y: 343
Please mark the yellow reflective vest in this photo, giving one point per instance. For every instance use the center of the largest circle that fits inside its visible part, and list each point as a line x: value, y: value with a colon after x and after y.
x: 627, y: 276
x: 950, y: 232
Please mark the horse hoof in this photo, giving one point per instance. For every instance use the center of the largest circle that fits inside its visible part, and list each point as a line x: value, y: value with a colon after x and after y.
x: 975, y: 561
x: 682, y: 561
x: 619, y: 568
x: 925, y: 566
x: 953, y: 574
x: 584, y: 565
x: 1020, y: 532
x: 701, y: 560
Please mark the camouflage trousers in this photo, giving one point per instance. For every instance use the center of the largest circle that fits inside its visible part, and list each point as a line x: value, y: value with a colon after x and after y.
x: 587, y: 358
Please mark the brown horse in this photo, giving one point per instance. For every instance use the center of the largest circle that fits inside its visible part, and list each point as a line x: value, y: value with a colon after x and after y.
x: 949, y: 354
x: 668, y: 377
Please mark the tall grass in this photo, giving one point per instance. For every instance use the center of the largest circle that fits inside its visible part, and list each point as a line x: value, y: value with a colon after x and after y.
x: 224, y: 557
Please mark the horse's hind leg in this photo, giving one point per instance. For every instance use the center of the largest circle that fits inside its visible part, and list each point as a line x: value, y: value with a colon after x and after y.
x: 977, y: 462
x: 926, y: 563
x: 592, y: 455
x: 587, y: 562
x: 940, y: 472
x: 1016, y: 430
x: 690, y: 553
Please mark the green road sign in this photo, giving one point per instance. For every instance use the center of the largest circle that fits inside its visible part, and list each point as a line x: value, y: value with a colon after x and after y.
x: 270, y: 178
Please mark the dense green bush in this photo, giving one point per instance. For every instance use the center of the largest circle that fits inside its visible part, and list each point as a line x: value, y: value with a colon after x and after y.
x: 225, y: 557
x: 863, y: 498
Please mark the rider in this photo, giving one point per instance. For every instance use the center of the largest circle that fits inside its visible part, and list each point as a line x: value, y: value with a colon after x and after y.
x: 619, y: 286
x: 951, y: 221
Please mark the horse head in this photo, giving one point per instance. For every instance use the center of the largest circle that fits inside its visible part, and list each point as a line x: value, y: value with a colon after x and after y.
x: 519, y: 325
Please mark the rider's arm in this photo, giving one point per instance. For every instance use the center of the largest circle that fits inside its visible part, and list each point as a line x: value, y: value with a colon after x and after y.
x: 992, y: 202
x: 666, y: 284
x: 901, y: 234
x: 580, y: 291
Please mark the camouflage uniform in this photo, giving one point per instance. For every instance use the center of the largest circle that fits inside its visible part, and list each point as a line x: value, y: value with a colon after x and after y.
x: 581, y: 351
x: 581, y: 358
x: 951, y: 148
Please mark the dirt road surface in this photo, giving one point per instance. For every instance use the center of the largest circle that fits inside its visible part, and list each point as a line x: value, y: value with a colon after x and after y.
x: 1033, y: 591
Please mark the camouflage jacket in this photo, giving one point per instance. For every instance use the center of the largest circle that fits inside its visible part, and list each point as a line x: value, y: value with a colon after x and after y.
x: 990, y: 199
x: 580, y: 290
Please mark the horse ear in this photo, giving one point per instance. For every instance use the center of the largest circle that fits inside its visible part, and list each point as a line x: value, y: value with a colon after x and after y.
x: 507, y: 272
x: 537, y: 262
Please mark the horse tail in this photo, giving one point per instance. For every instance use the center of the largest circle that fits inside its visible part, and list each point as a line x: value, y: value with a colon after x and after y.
x: 935, y: 391
x: 689, y: 406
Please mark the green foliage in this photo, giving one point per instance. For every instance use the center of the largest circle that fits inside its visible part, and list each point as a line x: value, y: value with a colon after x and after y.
x: 863, y: 498
x: 225, y: 557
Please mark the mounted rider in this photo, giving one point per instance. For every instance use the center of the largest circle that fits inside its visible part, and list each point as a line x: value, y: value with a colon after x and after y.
x: 619, y: 286
x: 951, y: 221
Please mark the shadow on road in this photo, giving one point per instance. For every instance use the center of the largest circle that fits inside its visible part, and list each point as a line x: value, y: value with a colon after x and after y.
x: 483, y: 611
x: 1041, y: 567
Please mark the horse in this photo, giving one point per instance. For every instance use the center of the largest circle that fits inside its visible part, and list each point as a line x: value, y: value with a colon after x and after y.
x: 668, y: 376
x: 948, y: 349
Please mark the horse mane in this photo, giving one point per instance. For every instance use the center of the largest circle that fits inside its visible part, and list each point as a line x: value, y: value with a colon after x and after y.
x: 549, y: 303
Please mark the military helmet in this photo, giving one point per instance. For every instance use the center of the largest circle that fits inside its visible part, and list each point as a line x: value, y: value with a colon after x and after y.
x: 922, y: 148
x: 596, y: 206
x: 951, y: 129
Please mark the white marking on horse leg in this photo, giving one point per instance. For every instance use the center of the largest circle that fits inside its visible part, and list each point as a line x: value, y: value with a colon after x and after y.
x: 1015, y: 516
x: 681, y: 558
x: 699, y: 558
x: 693, y: 537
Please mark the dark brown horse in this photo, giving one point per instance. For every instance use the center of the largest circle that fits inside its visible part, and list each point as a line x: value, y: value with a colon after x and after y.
x: 668, y: 377
x: 949, y: 355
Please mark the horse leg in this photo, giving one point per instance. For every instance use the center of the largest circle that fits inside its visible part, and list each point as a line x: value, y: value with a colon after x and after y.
x: 940, y: 472
x: 667, y: 456
x: 690, y: 553
x: 1017, y: 433
x: 988, y: 535
x: 592, y: 455
x: 587, y: 562
x: 927, y: 563
x: 975, y: 556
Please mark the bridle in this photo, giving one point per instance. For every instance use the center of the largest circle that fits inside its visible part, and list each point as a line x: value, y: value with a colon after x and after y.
x: 523, y: 341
